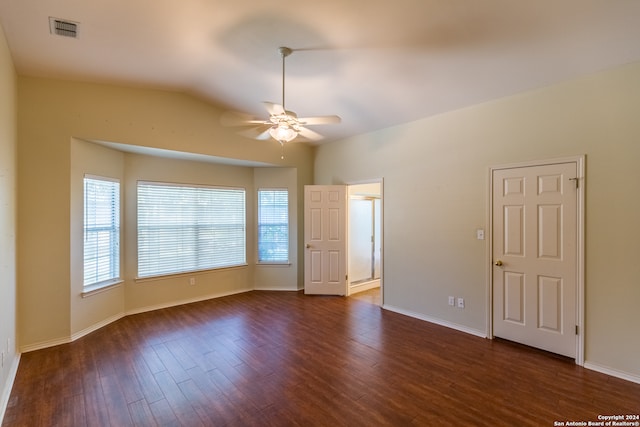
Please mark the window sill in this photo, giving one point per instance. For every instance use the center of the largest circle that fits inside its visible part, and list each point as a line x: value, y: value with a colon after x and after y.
x: 101, y: 287
x: 186, y: 273
x: 273, y: 264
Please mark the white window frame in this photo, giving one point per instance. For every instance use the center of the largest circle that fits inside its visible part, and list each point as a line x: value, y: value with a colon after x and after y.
x: 114, y: 259
x: 259, y: 226
x: 192, y: 228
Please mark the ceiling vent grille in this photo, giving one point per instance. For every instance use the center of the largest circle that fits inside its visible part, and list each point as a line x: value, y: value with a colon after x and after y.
x: 63, y: 27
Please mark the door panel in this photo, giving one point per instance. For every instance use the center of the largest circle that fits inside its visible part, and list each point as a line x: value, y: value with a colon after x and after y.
x: 325, y: 239
x: 550, y: 303
x: 514, y: 297
x: 535, y: 233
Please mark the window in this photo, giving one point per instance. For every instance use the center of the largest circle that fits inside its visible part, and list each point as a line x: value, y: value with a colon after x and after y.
x: 101, y: 230
x: 273, y: 226
x: 189, y: 228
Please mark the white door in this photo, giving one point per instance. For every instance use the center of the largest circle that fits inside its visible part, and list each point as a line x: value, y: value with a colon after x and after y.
x: 325, y: 231
x: 535, y: 256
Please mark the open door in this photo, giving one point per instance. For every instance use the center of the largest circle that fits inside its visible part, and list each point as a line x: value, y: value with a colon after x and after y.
x: 325, y: 234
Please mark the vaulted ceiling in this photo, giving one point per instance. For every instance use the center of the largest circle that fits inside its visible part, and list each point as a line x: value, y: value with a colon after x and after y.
x: 375, y: 63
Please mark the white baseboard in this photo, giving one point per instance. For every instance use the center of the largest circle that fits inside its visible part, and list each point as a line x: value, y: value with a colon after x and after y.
x: 185, y: 301
x: 276, y: 289
x: 103, y: 323
x: 96, y: 326
x: 44, y: 344
x: 588, y: 365
x: 66, y: 340
x: 6, y: 391
x: 457, y: 327
x: 612, y: 372
x: 361, y: 287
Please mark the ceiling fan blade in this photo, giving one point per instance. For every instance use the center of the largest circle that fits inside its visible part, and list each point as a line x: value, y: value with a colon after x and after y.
x: 236, y: 118
x: 258, y: 132
x: 309, y: 134
x: 274, y: 109
x: 319, y: 120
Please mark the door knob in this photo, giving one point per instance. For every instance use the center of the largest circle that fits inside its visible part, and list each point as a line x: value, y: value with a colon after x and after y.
x: 307, y: 246
x: 498, y: 263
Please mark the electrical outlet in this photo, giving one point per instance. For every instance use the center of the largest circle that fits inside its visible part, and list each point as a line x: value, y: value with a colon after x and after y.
x: 460, y: 302
x: 452, y: 301
x: 192, y: 280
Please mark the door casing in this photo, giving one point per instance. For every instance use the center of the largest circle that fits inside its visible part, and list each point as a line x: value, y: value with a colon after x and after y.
x: 580, y: 305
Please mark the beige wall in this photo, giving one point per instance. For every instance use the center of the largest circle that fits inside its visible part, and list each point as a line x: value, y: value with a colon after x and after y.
x: 87, y: 313
x: 435, y: 174
x: 275, y: 276
x: 55, y: 121
x: 145, y: 294
x: 8, y: 206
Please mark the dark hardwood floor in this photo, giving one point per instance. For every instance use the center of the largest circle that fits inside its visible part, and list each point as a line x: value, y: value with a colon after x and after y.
x: 282, y: 358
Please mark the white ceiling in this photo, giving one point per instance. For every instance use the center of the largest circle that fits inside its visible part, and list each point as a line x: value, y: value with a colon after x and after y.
x: 375, y: 63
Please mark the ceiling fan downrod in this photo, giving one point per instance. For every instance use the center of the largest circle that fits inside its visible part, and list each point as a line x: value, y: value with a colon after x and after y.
x: 284, y: 52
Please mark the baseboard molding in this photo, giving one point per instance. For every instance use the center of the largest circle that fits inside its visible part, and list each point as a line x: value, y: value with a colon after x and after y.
x: 6, y: 391
x: 361, y: 287
x: 44, y: 344
x: 276, y: 289
x: 612, y: 372
x: 588, y: 365
x: 185, y: 301
x: 447, y: 324
x: 96, y: 326
x: 66, y: 340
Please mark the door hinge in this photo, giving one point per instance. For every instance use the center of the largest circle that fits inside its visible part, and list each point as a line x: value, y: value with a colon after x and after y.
x: 576, y: 180
x: 577, y: 330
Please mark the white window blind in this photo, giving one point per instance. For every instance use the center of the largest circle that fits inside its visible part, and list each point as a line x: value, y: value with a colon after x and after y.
x: 273, y: 225
x: 188, y: 228
x: 101, y: 230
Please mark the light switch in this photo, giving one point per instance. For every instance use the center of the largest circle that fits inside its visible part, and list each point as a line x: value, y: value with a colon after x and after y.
x: 480, y: 234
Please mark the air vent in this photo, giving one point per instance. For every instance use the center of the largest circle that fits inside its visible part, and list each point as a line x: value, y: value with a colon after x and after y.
x: 63, y: 27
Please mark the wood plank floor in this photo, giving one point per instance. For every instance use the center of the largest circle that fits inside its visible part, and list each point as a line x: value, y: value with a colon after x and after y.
x: 285, y: 359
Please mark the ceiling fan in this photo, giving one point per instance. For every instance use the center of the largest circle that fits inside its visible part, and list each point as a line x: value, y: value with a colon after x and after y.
x: 282, y: 125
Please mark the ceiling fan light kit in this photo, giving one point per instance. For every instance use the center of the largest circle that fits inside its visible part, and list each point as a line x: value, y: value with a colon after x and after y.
x: 284, y: 125
x: 282, y: 133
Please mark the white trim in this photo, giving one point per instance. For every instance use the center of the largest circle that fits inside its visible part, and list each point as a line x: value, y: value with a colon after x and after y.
x: 612, y: 372
x: 580, y: 273
x: 8, y: 386
x: 96, y: 326
x: 187, y: 185
x: 379, y: 181
x: 580, y: 245
x: 529, y: 163
x: 365, y: 286
x: 183, y: 302
x: 101, y: 178
x: 101, y: 287
x: 44, y: 344
x: 169, y: 276
x: 257, y: 227
x: 451, y: 325
x: 58, y: 341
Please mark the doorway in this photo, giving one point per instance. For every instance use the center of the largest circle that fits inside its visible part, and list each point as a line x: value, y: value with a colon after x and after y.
x: 365, y: 241
x: 328, y: 257
x: 537, y: 255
